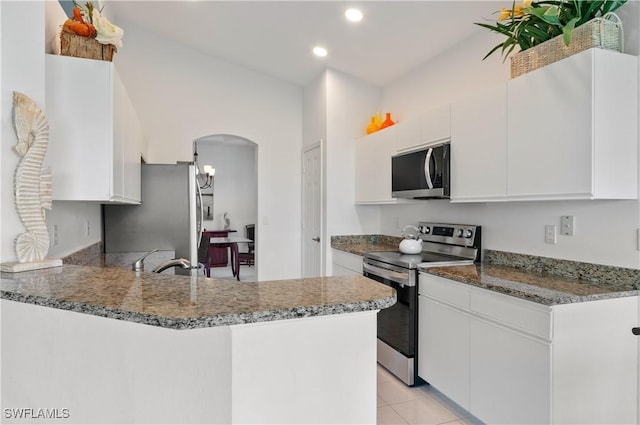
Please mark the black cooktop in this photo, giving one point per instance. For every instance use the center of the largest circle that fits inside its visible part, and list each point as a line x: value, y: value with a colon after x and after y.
x: 412, y: 261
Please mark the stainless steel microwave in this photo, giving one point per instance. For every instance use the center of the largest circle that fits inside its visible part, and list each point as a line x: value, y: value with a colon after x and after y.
x: 422, y: 173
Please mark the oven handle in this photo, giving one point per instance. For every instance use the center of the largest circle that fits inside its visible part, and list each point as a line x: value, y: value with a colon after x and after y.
x: 401, y: 278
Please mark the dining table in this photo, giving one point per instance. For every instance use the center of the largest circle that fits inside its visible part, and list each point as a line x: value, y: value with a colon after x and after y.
x: 231, y: 242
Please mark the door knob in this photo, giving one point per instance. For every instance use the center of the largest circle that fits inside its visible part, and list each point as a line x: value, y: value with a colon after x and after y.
x: 635, y: 331
x: 316, y: 239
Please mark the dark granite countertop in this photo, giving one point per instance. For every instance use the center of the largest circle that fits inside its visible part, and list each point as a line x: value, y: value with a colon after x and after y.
x: 540, y: 286
x: 361, y: 244
x: 547, y: 281
x: 181, y: 302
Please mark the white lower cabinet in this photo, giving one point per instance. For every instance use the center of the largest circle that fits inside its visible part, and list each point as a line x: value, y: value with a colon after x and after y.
x: 345, y: 263
x: 444, y: 350
x: 510, y: 374
x: 507, y: 360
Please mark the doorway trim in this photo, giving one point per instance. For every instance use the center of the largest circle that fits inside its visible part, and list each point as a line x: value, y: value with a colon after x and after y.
x: 323, y: 220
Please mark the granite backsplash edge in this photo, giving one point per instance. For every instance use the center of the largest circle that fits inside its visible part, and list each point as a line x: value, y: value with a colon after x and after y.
x: 588, y: 272
x: 90, y: 255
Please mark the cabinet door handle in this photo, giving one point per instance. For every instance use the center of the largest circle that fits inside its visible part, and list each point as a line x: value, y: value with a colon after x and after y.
x: 635, y: 331
x: 316, y: 239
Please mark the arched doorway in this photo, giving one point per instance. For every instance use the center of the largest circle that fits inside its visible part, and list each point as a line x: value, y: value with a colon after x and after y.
x: 230, y: 194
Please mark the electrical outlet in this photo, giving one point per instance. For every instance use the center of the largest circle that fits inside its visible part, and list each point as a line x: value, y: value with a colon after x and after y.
x: 55, y: 234
x: 88, y: 228
x: 550, y: 233
x: 567, y: 225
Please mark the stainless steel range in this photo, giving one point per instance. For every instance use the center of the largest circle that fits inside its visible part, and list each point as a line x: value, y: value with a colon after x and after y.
x: 443, y: 245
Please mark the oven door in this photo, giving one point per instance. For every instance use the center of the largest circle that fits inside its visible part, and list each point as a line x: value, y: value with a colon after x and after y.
x: 397, y: 325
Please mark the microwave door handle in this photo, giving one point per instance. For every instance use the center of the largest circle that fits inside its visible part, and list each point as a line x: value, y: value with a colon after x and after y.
x: 427, y: 168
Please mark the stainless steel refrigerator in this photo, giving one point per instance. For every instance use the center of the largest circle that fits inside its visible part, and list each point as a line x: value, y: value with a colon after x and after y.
x: 168, y: 219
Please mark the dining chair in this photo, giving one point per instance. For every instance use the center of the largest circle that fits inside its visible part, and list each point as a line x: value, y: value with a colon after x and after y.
x: 203, y: 253
x: 248, y: 258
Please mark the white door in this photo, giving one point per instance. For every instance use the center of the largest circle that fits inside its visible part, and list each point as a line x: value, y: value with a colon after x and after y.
x: 312, y: 207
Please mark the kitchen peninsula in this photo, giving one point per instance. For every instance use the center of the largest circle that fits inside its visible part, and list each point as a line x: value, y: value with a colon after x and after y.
x: 190, y: 350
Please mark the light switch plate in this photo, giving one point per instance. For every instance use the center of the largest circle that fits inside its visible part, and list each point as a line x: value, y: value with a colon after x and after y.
x: 567, y: 224
x: 550, y: 233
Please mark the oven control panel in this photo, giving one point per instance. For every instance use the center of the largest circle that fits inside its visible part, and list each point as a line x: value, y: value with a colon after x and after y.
x: 456, y: 234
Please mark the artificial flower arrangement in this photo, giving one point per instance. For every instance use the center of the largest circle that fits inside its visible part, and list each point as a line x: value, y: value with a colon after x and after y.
x: 87, y: 21
x: 534, y: 22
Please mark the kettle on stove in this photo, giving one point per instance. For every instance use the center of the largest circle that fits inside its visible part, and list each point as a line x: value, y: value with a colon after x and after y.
x: 412, y: 243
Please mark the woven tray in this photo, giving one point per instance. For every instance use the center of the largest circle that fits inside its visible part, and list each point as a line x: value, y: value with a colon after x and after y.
x: 602, y: 32
x: 84, y: 47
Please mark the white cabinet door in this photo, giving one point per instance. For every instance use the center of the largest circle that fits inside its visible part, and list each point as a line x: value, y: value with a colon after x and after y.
x: 436, y: 124
x: 572, y: 129
x: 133, y: 145
x: 479, y: 146
x: 510, y: 375
x: 373, y: 167
x: 343, y: 271
x: 595, y: 362
x: 88, y: 150
x: 408, y: 133
x: 118, y: 141
x: 80, y: 112
x: 345, y: 263
x: 443, y: 349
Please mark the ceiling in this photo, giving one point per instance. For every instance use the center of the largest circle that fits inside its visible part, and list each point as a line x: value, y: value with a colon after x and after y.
x: 276, y: 37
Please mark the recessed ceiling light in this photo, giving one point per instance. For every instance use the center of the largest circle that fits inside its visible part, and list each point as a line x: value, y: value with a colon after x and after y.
x: 320, y: 51
x: 354, y: 15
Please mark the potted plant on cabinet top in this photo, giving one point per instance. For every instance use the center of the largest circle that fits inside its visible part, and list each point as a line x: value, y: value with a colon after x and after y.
x: 549, y: 30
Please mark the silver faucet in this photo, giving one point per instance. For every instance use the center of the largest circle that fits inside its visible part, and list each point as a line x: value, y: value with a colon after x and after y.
x: 138, y: 265
x: 183, y: 263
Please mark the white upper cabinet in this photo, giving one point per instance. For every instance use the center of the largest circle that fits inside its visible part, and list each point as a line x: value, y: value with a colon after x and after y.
x: 572, y: 129
x: 373, y: 153
x: 430, y: 127
x: 373, y: 166
x: 566, y: 131
x: 408, y: 133
x: 95, y: 137
x: 479, y: 146
x: 435, y: 125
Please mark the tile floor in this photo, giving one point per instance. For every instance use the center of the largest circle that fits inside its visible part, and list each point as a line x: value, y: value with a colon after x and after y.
x: 399, y: 404
x: 247, y: 273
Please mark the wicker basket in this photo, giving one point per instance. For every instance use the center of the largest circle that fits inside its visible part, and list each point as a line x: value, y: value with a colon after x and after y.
x: 603, y: 33
x: 84, y: 47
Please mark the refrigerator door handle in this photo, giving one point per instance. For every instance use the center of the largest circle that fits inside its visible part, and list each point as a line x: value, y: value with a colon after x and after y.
x: 200, y: 223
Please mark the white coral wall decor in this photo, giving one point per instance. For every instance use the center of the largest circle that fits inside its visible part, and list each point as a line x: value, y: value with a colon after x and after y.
x: 32, y: 183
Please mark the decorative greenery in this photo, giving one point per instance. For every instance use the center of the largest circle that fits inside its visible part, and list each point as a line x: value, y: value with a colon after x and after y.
x: 532, y: 23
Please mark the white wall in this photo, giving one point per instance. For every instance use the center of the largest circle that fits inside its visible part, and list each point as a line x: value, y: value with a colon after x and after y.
x: 314, y: 111
x: 235, y: 185
x: 23, y: 70
x: 349, y: 104
x: 334, y: 106
x: 181, y: 95
x: 605, y: 230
